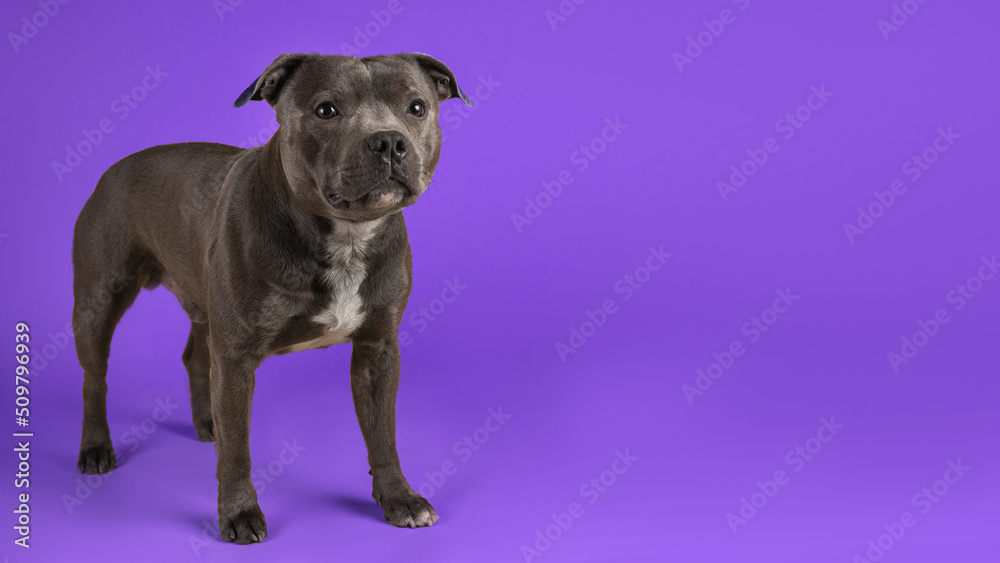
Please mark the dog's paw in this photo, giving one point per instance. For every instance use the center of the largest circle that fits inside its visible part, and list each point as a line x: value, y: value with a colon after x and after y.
x: 243, y: 527
x: 94, y: 460
x: 205, y: 429
x: 408, y: 510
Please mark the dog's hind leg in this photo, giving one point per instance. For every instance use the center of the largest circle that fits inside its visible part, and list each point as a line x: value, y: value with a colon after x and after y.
x: 97, y: 308
x: 198, y: 363
x: 107, y: 276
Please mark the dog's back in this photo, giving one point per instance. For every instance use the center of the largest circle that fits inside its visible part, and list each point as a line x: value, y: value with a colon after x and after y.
x: 179, y: 181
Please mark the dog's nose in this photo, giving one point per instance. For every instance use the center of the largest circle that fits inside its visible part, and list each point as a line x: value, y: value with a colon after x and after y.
x: 388, y: 145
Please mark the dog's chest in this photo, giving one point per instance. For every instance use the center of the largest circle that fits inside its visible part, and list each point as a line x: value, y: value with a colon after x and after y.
x: 343, y: 312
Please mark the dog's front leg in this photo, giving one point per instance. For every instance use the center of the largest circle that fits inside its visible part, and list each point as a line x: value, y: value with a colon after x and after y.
x: 232, y: 382
x: 374, y: 380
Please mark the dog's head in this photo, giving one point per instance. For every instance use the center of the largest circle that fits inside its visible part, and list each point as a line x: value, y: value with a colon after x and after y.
x: 358, y: 138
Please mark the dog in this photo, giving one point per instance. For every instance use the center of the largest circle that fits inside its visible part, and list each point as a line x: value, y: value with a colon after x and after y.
x: 293, y: 245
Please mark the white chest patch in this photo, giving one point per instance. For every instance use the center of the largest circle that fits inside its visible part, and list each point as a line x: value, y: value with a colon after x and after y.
x: 345, y: 250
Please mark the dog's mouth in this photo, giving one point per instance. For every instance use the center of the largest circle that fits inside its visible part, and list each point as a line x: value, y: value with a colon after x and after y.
x: 388, y: 194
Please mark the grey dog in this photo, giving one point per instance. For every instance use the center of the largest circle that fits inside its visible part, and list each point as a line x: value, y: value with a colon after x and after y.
x: 294, y: 245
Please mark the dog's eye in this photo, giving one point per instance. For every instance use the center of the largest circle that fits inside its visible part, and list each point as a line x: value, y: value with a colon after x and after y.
x: 326, y: 110
x: 417, y: 108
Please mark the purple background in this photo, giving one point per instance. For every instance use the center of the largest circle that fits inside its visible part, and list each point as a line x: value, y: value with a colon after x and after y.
x: 495, y: 346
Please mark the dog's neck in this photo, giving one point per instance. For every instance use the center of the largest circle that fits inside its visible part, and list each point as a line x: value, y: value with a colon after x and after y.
x: 288, y: 233
x: 348, y: 241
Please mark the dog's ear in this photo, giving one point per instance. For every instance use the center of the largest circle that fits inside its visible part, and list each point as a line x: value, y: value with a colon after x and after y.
x: 267, y: 86
x: 444, y: 79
